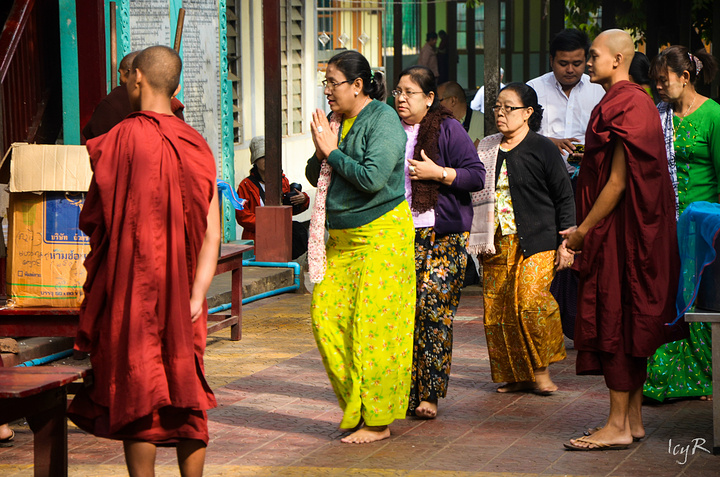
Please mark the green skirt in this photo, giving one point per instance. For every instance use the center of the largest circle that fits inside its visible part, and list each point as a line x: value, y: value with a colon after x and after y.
x: 363, y: 317
x: 682, y: 368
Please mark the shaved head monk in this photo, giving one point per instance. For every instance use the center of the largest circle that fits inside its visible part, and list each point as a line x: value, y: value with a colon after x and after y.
x: 116, y: 105
x: 629, y: 264
x: 125, y: 66
x: 153, y: 220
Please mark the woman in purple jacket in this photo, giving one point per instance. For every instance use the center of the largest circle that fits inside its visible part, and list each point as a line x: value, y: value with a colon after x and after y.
x: 441, y: 170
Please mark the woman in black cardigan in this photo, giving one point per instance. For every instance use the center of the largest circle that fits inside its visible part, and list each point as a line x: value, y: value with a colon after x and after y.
x: 517, y: 230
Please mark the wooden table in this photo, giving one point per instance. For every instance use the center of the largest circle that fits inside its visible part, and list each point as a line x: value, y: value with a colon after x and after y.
x: 712, y: 317
x: 44, y: 321
x: 231, y: 261
x: 39, y: 394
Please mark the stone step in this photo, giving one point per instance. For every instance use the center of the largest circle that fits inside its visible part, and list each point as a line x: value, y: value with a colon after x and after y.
x: 256, y: 280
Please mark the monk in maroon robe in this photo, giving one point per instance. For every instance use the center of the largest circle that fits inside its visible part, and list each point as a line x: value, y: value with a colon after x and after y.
x: 153, y: 220
x: 629, y: 265
x: 115, y: 107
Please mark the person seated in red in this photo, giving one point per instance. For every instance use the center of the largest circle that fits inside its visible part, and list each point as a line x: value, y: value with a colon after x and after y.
x: 252, y: 189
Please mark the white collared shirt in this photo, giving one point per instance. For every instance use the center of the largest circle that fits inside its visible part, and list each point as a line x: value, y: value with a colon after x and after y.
x: 566, y: 117
x: 478, y: 102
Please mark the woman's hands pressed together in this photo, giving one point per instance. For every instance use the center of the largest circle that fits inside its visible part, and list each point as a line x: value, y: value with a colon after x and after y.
x: 324, y: 135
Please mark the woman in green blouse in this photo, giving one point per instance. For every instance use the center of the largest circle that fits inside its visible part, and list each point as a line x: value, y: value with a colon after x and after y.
x: 692, y: 138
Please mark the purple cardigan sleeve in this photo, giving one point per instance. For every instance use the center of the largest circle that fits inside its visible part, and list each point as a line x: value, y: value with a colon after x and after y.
x: 456, y: 150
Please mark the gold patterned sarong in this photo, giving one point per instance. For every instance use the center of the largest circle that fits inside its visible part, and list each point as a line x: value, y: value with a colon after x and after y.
x: 522, y: 319
x: 363, y: 317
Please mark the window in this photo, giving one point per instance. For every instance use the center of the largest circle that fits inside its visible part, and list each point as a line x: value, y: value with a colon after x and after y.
x: 291, y: 41
x: 234, y: 70
x: 344, y: 25
x: 411, y: 40
x: 479, y: 26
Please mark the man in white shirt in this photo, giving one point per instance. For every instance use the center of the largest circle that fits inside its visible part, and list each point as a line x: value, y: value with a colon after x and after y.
x: 452, y: 96
x: 568, y: 98
x: 478, y: 102
x: 566, y: 93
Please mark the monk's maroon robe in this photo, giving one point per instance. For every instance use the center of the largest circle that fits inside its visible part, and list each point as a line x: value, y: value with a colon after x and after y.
x: 146, y: 216
x: 629, y: 265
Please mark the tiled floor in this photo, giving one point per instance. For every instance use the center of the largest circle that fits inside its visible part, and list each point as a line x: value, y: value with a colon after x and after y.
x: 277, y: 415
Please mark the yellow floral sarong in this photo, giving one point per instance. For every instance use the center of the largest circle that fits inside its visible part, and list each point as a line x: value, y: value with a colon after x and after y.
x: 522, y: 319
x: 363, y: 317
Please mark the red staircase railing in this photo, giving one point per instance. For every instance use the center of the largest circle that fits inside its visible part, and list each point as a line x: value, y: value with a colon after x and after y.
x: 24, y: 75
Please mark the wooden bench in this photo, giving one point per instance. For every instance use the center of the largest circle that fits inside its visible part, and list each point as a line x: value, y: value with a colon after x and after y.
x: 712, y: 317
x: 39, y: 394
x: 44, y: 321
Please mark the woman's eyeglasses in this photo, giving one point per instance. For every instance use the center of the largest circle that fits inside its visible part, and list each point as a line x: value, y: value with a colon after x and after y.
x: 333, y: 84
x: 508, y: 109
x: 408, y: 94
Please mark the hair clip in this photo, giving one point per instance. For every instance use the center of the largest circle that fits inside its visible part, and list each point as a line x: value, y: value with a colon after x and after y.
x: 698, y: 63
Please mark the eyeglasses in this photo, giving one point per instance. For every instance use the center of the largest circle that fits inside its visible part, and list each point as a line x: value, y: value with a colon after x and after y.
x: 508, y: 109
x: 408, y: 94
x: 333, y: 84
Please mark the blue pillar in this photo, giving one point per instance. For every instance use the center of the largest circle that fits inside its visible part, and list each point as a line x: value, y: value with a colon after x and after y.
x: 228, y: 143
x: 69, y: 72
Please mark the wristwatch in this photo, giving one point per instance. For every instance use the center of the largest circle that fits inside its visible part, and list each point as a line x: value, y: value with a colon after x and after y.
x: 444, y: 174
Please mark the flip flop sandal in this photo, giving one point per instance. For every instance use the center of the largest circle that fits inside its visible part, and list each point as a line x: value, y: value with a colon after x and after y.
x: 593, y: 430
x: 599, y: 446
x: 8, y: 441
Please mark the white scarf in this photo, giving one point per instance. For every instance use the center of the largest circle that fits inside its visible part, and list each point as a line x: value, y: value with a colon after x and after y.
x: 482, y: 233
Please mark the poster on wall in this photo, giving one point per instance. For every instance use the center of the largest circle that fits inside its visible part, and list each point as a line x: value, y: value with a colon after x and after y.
x: 201, y: 53
x: 150, y: 24
x: 206, y: 90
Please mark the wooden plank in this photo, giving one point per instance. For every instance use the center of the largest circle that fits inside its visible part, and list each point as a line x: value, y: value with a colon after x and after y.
x: 492, y: 62
x: 397, y: 42
x: 273, y: 106
x: 470, y: 46
x: 24, y: 382
x: 221, y: 325
x: 451, y: 9
x: 509, y: 41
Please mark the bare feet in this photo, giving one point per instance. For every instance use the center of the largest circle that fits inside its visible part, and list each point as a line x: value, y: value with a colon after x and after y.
x: 516, y: 387
x: 706, y: 398
x: 367, y: 434
x: 543, y: 384
x: 5, y: 432
x: 586, y: 443
x: 637, y: 436
x: 7, y: 436
x: 355, y: 428
x: 604, y: 436
x: 426, y: 410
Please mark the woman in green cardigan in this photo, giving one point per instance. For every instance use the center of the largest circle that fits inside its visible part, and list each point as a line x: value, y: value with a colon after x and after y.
x: 363, y: 303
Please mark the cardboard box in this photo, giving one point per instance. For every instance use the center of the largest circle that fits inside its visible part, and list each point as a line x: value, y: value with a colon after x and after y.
x: 46, y: 248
